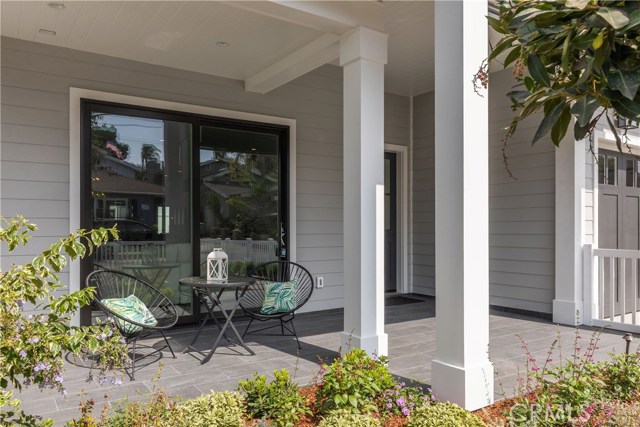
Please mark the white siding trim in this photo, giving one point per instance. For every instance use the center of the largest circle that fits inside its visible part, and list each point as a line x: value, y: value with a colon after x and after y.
x: 75, y: 96
x: 402, y: 255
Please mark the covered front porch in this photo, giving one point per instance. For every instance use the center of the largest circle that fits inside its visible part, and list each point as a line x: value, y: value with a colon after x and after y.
x: 409, y: 322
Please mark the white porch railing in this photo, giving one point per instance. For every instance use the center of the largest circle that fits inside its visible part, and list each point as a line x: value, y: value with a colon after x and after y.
x: 611, y: 288
x: 133, y: 253
x: 248, y: 250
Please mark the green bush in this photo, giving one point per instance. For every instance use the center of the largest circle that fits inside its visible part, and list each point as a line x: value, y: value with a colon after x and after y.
x: 344, y: 418
x: 354, y: 382
x: 216, y: 409
x: 32, y: 347
x: 622, y: 377
x: 443, y: 415
x: 279, y: 400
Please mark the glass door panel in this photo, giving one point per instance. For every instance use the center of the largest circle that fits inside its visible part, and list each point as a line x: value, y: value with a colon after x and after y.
x: 141, y: 181
x: 240, y: 196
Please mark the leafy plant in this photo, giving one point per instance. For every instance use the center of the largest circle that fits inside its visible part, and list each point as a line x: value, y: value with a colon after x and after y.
x: 443, y: 415
x: 575, y: 58
x: 279, y: 400
x: 344, y: 418
x: 32, y: 346
x: 622, y: 376
x: 354, y: 382
x: 402, y: 400
x: 216, y: 409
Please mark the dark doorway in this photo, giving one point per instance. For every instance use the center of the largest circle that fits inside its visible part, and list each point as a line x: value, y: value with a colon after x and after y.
x: 390, y: 222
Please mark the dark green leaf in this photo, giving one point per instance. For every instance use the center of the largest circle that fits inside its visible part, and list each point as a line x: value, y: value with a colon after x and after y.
x: 537, y: 70
x: 634, y: 21
x: 584, y: 41
x: 587, y: 71
x: 584, y: 108
x: 512, y: 56
x: 627, y: 82
x: 559, y: 130
x: 549, y: 120
x: 580, y: 132
x: 529, y: 83
x: 615, y: 17
x: 497, y: 25
x: 500, y: 47
x: 565, y: 52
x: 627, y: 108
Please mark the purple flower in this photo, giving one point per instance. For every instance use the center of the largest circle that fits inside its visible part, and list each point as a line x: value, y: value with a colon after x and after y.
x: 401, y: 401
x: 123, y: 341
x: 58, y: 378
x: 389, y: 405
x: 116, y: 381
x: 102, y: 380
x: 406, y: 412
x: 40, y: 367
x: 34, y: 340
x: 22, y: 354
x: 102, y: 337
x: 20, y: 303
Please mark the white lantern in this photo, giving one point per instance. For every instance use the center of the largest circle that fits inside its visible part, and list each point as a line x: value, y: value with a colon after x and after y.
x: 217, y: 266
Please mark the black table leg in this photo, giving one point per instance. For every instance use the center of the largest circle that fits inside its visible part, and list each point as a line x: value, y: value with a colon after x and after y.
x: 227, y: 324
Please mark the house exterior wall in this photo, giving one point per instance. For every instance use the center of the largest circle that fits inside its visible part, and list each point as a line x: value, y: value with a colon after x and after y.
x: 424, y: 264
x: 34, y: 172
x: 522, y: 212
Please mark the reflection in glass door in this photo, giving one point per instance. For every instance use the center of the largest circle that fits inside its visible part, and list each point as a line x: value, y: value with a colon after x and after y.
x: 241, y: 204
x: 140, y: 170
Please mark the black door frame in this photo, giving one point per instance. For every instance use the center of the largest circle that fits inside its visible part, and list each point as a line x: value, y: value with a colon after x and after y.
x: 87, y: 105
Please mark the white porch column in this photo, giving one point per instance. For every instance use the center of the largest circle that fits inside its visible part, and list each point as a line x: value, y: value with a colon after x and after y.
x: 363, y: 53
x: 570, y: 177
x: 461, y: 370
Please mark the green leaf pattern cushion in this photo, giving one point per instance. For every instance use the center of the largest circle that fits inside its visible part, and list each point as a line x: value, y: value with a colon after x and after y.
x: 131, y: 308
x: 279, y: 297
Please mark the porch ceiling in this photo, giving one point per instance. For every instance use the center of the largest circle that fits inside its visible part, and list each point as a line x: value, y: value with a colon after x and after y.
x: 184, y: 34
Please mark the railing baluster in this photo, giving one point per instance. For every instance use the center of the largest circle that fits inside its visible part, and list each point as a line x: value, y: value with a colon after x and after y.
x: 634, y: 292
x: 621, y: 289
x: 601, y: 287
x: 612, y: 289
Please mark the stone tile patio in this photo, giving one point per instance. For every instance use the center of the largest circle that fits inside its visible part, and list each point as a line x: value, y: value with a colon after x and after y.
x: 410, y: 325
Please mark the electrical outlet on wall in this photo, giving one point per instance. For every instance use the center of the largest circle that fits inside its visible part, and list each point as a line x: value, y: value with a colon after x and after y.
x: 319, y: 282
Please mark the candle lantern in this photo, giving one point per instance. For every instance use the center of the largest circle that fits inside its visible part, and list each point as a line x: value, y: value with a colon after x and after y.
x: 217, y: 266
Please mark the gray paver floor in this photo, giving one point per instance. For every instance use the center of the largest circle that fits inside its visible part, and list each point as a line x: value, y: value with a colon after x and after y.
x: 411, y: 330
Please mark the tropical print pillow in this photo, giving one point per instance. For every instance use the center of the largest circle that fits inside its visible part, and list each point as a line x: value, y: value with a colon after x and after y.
x: 131, y: 308
x: 279, y: 297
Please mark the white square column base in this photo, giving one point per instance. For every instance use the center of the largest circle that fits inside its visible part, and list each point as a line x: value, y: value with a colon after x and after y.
x: 568, y: 312
x: 470, y: 387
x: 373, y: 345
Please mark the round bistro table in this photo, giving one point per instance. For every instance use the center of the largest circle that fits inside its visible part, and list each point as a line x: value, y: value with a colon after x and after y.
x: 210, y: 294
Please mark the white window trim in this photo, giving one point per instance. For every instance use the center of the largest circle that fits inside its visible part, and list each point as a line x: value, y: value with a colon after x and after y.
x: 77, y: 94
x: 402, y: 254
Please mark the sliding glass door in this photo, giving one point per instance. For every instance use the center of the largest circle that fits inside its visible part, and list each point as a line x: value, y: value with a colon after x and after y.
x: 178, y: 185
x: 241, y: 203
x: 140, y: 181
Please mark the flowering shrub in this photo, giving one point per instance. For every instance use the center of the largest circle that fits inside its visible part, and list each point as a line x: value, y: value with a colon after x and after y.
x: 443, y: 415
x: 32, y: 346
x: 280, y: 401
x: 402, y: 400
x: 354, y: 382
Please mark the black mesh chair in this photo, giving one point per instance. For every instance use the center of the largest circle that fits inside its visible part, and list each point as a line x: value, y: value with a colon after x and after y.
x: 114, y: 284
x: 252, y: 300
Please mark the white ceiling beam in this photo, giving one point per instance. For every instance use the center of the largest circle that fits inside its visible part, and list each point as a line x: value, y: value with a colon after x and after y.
x: 322, y: 50
x: 335, y: 17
